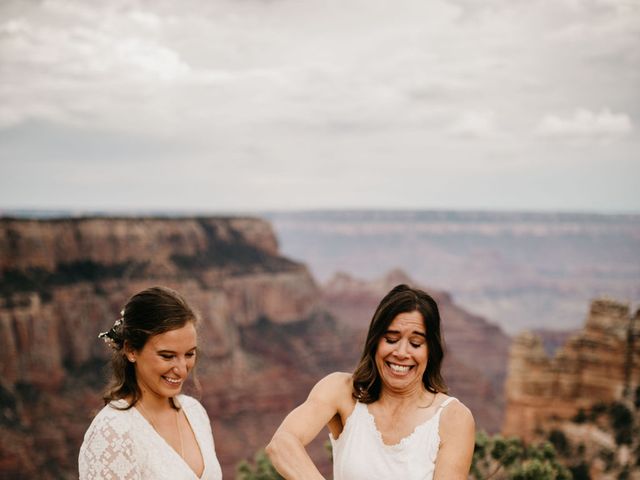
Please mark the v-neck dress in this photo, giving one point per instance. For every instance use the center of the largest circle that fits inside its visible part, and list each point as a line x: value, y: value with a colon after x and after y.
x: 122, y: 444
x: 359, y: 453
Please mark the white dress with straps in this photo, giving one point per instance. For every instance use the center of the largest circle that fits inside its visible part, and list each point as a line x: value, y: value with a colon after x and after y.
x: 122, y: 444
x: 359, y: 453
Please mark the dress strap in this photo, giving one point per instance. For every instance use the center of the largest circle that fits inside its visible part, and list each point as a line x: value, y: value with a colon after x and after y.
x: 445, y: 403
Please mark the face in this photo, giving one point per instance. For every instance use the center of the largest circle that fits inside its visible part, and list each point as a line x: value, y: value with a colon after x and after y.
x: 401, y: 356
x: 164, y: 363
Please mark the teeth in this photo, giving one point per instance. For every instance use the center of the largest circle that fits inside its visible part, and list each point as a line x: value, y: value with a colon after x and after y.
x: 172, y: 380
x: 399, y: 368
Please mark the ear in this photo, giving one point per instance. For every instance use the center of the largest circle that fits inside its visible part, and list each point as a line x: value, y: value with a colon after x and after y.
x: 129, y: 352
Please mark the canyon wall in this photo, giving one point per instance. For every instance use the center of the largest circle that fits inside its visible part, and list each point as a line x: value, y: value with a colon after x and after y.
x: 263, y: 339
x: 598, y: 365
x: 268, y: 331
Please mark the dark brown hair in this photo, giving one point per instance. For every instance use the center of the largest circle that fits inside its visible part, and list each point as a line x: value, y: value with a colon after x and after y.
x: 401, y: 299
x: 150, y: 312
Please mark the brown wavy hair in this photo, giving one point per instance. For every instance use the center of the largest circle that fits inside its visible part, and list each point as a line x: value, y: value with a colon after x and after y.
x: 401, y: 299
x: 150, y: 312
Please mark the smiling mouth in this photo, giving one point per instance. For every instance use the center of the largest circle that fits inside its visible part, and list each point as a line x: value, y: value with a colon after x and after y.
x: 172, y: 381
x: 399, y: 368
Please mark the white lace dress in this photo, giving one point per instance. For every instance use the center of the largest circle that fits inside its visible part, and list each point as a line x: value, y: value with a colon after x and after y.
x: 360, y: 454
x: 122, y: 444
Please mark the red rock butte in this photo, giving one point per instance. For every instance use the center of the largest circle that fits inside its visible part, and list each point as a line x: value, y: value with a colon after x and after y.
x: 600, y: 364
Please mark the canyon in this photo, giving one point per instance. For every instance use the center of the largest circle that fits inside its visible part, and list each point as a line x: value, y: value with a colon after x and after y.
x: 268, y: 331
x: 520, y: 270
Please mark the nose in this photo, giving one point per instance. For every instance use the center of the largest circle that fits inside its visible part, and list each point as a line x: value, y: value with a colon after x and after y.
x: 401, y: 349
x: 180, y: 366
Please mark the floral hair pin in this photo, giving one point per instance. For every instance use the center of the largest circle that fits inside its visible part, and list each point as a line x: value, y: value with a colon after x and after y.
x: 113, y: 337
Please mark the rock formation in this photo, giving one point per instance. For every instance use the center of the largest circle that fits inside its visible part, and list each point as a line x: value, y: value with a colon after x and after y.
x: 263, y: 339
x: 268, y: 332
x: 599, y: 365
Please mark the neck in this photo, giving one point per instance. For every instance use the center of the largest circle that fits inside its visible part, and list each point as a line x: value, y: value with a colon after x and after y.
x: 154, y: 403
x: 416, y: 395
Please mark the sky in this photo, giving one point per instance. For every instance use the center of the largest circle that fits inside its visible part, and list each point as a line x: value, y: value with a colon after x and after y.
x: 249, y: 105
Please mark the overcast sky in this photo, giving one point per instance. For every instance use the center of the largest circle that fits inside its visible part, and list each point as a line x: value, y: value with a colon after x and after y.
x: 219, y: 105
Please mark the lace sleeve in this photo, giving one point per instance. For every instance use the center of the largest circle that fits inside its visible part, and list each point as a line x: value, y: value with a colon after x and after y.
x: 107, y: 452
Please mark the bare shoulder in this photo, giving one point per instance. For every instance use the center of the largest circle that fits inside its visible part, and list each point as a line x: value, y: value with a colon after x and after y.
x: 456, y: 419
x: 335, y: 386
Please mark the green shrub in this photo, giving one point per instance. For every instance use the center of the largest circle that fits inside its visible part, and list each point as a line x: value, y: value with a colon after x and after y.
x: 261, y: 470
x: 580, y: 417
x: 559, y: 440
x: 580, y: 471
x: 621, y: 419
x: 508, y: 458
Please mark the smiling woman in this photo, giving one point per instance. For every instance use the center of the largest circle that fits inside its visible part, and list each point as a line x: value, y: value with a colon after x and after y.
x: 147, y: 429
x: 392, y: 418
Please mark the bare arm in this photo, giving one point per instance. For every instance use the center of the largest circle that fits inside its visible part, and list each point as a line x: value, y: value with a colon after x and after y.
x: 286, y: 449
x: 457, y: 441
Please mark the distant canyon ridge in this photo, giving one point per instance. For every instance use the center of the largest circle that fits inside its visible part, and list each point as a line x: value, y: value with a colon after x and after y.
x: 522, y: 271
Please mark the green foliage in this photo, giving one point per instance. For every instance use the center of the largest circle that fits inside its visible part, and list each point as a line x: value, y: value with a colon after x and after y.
x: 580, y: 417
x: 537, y: 469
x: 598, y: 409
x: 580, y: 471
x: 621, y: 419
x: 559, y: 441
x: 261, y: 470
x: 509, y: 459
x: 329, y: 448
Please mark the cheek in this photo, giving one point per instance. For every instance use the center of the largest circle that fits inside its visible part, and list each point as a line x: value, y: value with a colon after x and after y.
x: 425, y: 356
x: 383, y: 348
x: 378, y: 356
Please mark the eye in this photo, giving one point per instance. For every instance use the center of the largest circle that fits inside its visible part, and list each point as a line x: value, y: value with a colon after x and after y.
x: 190, y: 354
x: 416, y: 345
x: 166, y: 356
x: 390, y: 339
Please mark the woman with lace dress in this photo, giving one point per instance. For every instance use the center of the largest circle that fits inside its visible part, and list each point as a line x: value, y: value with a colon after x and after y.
x: 148, y: 429
x: 391, y: 418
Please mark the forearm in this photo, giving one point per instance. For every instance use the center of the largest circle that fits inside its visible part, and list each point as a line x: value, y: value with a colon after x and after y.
x: 290, y: 458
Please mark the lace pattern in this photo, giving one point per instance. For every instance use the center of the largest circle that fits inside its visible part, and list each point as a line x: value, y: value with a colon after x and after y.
x: 121, y: 444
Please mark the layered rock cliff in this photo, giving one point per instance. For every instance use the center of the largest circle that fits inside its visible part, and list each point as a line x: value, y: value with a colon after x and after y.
x: 598, y: 365
x: 263, y: 338
x: 268, y: 332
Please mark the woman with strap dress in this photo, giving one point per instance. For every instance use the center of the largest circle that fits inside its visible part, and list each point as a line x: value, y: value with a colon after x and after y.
x: 148, y: 429
x: 391, y: 418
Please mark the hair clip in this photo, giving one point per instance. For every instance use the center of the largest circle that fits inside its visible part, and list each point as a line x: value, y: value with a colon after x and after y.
x: 110, y: 337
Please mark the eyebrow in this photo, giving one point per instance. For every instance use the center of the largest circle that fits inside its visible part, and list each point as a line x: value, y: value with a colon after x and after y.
x: 415, y: 332
x: 164, y: 350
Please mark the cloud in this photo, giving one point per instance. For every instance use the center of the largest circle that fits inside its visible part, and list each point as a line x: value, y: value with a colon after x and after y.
x: 475, y: 124
x: 251, y: 90
x: 585, y: 124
